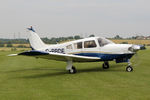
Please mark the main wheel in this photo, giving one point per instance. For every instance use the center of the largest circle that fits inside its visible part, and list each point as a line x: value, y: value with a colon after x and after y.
x: 106, y: 65
x: 72, y: 70
x: 129, y: 69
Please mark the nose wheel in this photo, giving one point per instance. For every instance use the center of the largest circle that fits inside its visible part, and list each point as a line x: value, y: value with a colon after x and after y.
x: 129, y: 68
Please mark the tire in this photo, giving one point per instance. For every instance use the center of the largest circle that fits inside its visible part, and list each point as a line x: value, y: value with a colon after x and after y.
x: 129, y: 69
x: 72, y: 70
x: 106, y: 65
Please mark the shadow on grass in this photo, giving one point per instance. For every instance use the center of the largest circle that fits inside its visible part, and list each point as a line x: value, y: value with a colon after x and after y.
x: 63, y: 72
x: 44, y: 75
x: 100, y: 69
x: 36, y: 69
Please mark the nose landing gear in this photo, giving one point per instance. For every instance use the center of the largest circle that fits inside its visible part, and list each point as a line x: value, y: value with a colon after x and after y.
x: 129, y: 68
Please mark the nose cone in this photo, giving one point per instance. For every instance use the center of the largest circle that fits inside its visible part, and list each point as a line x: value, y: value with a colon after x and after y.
x: 142, y: 47
x: 134, y: 48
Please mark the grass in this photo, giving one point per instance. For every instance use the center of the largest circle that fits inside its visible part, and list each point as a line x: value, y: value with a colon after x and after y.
x: 27, y: 78
x: 132, y: 41
x: 12, y: 48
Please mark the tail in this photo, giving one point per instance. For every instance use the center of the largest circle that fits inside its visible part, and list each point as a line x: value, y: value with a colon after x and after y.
x: 35, y: 41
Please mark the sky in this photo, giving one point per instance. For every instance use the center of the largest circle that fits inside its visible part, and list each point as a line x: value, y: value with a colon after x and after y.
x: 56, y: 18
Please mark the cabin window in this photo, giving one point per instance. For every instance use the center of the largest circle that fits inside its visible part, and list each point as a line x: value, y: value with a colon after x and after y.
x: 103, y: 42
x: 89, y: 44
x: 69, y: 46
x: 78, y: 45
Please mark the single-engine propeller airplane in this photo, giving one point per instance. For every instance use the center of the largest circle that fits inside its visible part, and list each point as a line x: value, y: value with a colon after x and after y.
x: 93, y: 49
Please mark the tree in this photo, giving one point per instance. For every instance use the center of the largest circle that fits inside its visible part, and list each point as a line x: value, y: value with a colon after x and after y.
x: 2, y: 45
x: 76, y: 37
x: 45, y: 40
x: 70, y: 37
x: 133, y: 37
x: 9, y: 45
x: 92, y: 35
x: 117, y: 37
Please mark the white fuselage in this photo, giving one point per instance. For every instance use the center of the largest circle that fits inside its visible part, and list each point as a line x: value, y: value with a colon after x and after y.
x: 70, y: 47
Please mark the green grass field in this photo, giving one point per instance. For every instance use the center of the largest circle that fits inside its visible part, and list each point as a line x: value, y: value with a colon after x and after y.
x: 27, y: 78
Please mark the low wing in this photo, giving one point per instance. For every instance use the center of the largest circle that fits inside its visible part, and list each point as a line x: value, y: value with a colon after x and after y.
x: 58, y: 56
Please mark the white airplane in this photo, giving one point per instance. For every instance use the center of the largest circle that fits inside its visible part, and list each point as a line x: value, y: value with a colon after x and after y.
x: 93, y: 49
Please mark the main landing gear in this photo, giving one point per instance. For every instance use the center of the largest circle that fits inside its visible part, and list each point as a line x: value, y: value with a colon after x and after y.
x: 71, y: 68
x: 105, y: 65
x: 129, y: 68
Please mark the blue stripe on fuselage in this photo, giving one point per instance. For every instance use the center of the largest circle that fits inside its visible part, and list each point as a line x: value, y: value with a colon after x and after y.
x: 107, y: 57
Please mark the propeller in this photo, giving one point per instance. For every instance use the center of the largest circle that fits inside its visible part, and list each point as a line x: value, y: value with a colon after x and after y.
x: 134, y: 48
x: 136, y: 58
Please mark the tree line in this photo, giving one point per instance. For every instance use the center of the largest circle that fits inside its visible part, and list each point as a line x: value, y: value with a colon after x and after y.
x: 53, y: 40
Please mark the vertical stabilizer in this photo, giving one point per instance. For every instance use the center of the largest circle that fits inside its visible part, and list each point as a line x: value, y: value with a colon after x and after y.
x: 35, y: 41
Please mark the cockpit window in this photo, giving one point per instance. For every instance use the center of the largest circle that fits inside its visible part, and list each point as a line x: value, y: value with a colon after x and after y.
x: 78, y: 45
x: 89, y: 44
x: 103, y: 41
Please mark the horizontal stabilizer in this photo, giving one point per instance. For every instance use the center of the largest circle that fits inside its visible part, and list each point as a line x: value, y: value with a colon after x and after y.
x: 12, y: 55
x: 33, y: 53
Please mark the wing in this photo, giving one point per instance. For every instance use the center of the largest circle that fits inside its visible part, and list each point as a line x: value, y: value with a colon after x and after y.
x: 58, y: 56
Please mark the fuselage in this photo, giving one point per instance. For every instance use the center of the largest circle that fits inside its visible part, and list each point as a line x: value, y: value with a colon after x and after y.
x: 93, y: 47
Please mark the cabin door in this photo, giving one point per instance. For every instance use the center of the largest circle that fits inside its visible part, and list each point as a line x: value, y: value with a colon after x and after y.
x: 90, y: 48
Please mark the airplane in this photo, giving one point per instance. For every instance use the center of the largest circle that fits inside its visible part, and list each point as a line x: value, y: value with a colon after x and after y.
x: 93, y: 49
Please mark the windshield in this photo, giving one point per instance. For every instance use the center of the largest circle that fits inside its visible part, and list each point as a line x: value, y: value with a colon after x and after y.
x: 103, y: 41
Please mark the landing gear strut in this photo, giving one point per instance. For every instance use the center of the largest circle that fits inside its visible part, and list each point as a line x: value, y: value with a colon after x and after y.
x: 71, y: 68
x: 105, y: 65
x: 129, y: 68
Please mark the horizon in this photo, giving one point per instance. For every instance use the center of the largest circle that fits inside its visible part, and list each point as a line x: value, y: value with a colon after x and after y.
x: 18, y: 37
